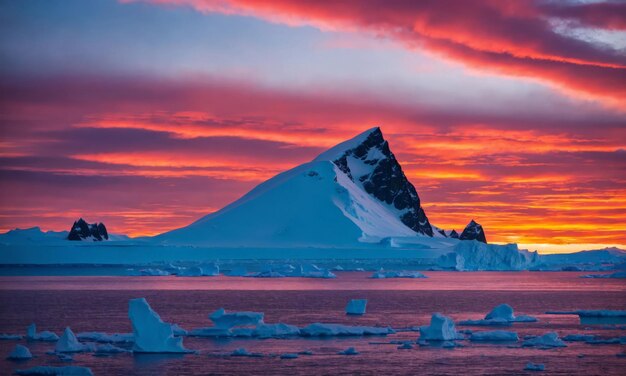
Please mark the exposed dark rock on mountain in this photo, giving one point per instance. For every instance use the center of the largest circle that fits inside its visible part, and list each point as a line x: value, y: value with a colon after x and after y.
x: 473, y: 231
x: 81, y: 230
x: 384, y: 179
x: 454, y: 234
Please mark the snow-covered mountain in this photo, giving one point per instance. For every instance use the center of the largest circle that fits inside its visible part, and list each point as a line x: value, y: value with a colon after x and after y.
x: 356, y: 192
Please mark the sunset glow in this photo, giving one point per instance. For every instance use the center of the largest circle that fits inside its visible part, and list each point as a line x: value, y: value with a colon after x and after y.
x: 519, y: 122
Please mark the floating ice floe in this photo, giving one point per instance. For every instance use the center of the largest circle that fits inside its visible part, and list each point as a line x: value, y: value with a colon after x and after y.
x: 534, y: 367
x: 495, y: 335
x: 548, y: 340
x: 278, y: 330
x: 243, y: 352
x: 612, y: 275
x: 330, y: 330
x: 381, y: 274
x: 46, y: 336
x: 356, y: 307
x: 600, y: 313
x: 405, y: 346
x: 501, y: 315
x: 153, y: 272
x: 222, y: 319
x: 204, y: 270
x: 289, y: 356
x: 55, y: 371
x: 607, y: 341
x: 441, y: 328
x: 105, y: 337
x: 5, y: 336
x: 20, y: 352
x: 68, y: 343
x: 239, y: 271
x: 349, y: 351
x: 578, y: 337
x: 108, y: 349
x: 151, y: 334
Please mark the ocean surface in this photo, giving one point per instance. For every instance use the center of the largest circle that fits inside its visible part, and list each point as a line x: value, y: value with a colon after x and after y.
x: 100, y: 303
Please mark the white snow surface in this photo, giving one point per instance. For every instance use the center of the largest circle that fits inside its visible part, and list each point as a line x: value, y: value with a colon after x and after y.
x: 356, y: 307
x: 151, y: 334
x: 20, y: 352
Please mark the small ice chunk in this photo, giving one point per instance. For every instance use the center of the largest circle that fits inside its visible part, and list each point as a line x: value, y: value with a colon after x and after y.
x: 153, y: 272
x: 46, y: 336
x: 109, y: 349
x: 349, y: 351
x: 534, y: 367
x: 547, y: 340
x: 55, y: 371
x: 305, y: 352
x: 20, y: 352
x: 221, y: 319
x: 482, y: 322
x: 69, y: 343
x: 503, y: 311
x: 405, y: 346
x: 356, y: 307
x: 441, y: 328
x: 5, y: 336
x: 105, y: 337
x: 329, y: 330
x: 495, y: 335
x: 152, y: 335
x: 278, y: 330
x: 289, y: 356
x: 381, y: 274
x: 578, y: 337
x: 243, y: 352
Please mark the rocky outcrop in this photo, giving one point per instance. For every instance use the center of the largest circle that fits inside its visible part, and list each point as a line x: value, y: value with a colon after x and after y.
x: 372, y: 165
x: 81, y: 230
x: 473, y: 231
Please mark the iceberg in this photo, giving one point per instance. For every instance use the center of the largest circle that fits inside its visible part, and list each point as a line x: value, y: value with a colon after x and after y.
x: 548, y: 340
x: 46, y: 336
x: 600, y: 313
x: 55, y: 371
x: 441, y: 328
x: 349, y: 351
x: 221, y: 319
x: 151, y: 334
x: 204, y: 270
x: 356, y: 307
x: 534, y: 367
x: 279, y: 330
x: 68, y: 343
x: 496, y: 335
x: 472, y: 255
x: 20, y: 352
x: 331, y: 330
x: 106, y: 338
x: 612, y: 275
x: 381, y: 274
x: 178, y: 331
x: 237, y: 272
x: 501, y: 315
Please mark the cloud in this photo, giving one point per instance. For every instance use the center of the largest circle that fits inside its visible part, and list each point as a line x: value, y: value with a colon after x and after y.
x: 506, y: 37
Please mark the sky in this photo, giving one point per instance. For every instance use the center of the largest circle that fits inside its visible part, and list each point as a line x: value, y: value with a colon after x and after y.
x: 148, y: 114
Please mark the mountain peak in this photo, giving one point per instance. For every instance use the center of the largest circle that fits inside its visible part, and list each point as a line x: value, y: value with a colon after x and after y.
x: 81, y: 230
x: 369, y: 162
x: 473, y: 231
